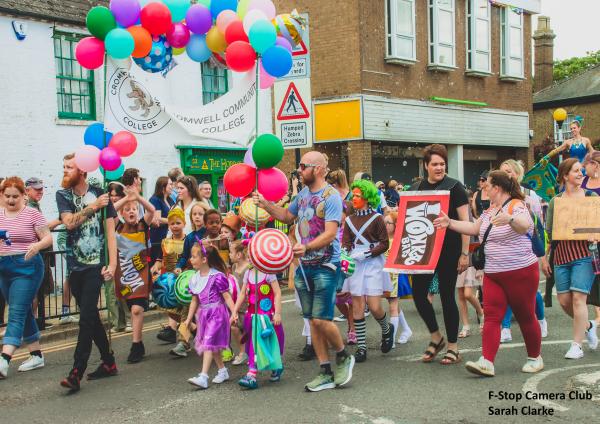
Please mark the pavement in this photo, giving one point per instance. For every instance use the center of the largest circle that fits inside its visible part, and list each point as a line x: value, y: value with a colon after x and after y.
x: 391, y: 388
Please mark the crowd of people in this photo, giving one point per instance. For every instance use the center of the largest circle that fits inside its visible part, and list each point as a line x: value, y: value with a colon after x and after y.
x: 118, y: 241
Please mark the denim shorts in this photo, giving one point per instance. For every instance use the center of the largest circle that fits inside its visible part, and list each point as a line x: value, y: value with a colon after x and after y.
x: 574, y: 276
x: 317, y: 286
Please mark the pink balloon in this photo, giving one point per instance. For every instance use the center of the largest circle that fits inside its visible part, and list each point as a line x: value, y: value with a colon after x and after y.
x: 225, y: 18
x: 265, y: 80
x: 124, y: 143
x: 89, y: 52
x: 248, y: 158
x: 178, y: 35
x: 109, y: 159
x: 272, y: 184
x: 266, y: 6
x: 87, y: 158
x: 283, y: 42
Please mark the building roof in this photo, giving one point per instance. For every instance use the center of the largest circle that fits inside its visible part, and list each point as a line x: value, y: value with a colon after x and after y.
x: 65, y: 11
x: 581, y: 88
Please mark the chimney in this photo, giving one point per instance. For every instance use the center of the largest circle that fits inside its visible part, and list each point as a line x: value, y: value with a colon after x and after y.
x: 544, y: 54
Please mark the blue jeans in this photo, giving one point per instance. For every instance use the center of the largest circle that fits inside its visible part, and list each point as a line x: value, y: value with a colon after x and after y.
x: 574, y: 276
x: 20, y: 281
x: 317, y: 287
x: 539, y: 311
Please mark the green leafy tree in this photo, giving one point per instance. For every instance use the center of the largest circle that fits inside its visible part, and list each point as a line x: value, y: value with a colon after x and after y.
x: 575, y: 65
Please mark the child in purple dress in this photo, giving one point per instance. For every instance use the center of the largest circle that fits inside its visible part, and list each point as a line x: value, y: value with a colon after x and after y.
x: 211, y: 293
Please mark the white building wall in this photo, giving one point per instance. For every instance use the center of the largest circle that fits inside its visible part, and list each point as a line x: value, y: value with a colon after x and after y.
x: 33, y: 140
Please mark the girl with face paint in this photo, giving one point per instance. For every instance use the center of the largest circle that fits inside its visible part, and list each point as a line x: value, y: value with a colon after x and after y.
x: 366, y: 239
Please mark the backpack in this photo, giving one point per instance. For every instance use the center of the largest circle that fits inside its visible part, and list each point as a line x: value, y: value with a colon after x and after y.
x: 539, y: 237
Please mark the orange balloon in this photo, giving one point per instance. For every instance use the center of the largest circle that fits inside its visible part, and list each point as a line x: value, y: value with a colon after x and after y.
x: 215, y: 40
x: 143, y: 41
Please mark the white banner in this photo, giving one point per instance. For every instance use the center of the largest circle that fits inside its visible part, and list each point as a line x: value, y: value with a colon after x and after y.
x: 146, y: 103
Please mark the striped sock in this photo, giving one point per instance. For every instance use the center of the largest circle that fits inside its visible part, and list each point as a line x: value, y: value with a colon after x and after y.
x: 361, y: 333
x: 384, y: 323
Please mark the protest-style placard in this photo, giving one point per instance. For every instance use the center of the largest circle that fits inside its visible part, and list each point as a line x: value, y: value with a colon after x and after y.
x: 576, y: 219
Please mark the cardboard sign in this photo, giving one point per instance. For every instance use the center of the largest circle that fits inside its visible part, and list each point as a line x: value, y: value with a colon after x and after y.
x: 576, y: 219
x: 417, y: 244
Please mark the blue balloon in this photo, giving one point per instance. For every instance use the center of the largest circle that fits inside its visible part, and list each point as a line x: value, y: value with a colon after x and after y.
x: 262, y: 35
x: 159, y: 58
x: 277, y: 61
x: 217, y: 6
x: 197, y: 49
x: 95, y: 136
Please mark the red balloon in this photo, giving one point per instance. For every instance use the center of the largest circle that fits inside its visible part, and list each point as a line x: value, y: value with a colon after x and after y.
x: 240, y: 56
x: 235, y: 32
x: 239, y: 180
x: 272, y: 184
x: 124, y: 143
x: 156, y: 18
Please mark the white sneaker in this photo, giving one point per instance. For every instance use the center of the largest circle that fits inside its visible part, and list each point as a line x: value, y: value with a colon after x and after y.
x: 180, y: 350
x: 240, y: 359
x: 222, y: 376
x: 68, y: 319
x: 128, y: 328
x: 201, y: 381
x: 505, y: 335
x: 32, y: 363
x: 482, y: 367
x: 533, y: 365
x: 574, y: 352
x: 3, y: 368
x: 592, y: 336
x: 544, y: 327
x: 405, y: 336
x: 340, y: 318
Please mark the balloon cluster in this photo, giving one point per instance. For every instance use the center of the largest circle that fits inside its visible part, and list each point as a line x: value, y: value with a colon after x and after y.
x: 105, y: 150
x: 242, y: 31
x: 265, y: 154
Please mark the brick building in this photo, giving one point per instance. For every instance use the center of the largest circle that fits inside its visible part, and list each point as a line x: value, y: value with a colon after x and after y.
x: 390, y: 76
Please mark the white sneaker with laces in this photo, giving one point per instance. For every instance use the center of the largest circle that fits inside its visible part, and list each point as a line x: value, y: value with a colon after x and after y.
x: 32, y: 363
x: 544, y: 327
x: 482, y: 367
x: 68, y: 319
x: 201, y: 381
x: 592, y: 336
x: 505, y: 335
x: 3, y: 368
x: 240, y: 359
x: 574, y: 352
x: 340, y: 318
x: 405, y: 336
x: 222, y: 376
x: 533, y: 365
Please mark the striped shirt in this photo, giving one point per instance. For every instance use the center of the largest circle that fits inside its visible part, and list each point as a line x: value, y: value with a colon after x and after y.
x: 505, y: 249
x: 570, y: 250
x: 21, y: 230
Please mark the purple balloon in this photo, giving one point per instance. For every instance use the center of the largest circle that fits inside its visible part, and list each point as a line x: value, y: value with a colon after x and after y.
x: 281, y: 41
x: 198, y: 19
x: 126, y: 12
x: 109, y: 159
x: 178, y: 35
x: 248, y: 158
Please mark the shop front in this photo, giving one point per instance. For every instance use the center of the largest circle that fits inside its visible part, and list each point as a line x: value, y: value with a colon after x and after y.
x: 210, y: 164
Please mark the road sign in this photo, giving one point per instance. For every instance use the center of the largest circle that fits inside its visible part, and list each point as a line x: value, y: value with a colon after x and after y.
x: 293, y: 122
x: 300, y: 56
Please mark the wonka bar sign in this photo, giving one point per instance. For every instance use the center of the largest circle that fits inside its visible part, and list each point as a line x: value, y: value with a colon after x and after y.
x: 417, y: 244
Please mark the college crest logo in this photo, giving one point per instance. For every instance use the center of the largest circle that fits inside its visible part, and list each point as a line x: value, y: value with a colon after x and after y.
x: 132, y: 105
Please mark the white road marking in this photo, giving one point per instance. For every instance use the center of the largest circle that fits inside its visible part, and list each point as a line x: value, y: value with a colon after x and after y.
x: 349, y: 412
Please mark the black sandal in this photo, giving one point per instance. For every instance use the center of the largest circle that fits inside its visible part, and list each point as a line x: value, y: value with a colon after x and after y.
x: 429, y: 356
x: 450, y: 358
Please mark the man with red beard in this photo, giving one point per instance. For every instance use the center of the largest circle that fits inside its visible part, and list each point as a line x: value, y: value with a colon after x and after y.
x: 80, y: 206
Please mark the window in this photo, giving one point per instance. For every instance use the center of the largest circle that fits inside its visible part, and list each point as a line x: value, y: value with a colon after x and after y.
x: 511, y: 40
x: 74, y: 84
x: 478, y: 36
x: 441, y: 33
x: 400, y: 22
x: 214, y: 82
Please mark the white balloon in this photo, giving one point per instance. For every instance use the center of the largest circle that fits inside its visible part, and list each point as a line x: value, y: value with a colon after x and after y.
x: 252, y: 17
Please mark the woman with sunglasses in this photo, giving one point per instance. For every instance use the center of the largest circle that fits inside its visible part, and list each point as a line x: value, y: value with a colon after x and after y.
x: 480, y: 200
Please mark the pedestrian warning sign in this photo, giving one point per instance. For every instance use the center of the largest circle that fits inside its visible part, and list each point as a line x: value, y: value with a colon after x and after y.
x: 292, y: 106
x: 300, y: 49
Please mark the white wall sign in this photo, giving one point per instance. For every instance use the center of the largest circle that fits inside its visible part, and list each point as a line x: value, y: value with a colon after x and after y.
x: 293, y: 108
x: 301, y: 56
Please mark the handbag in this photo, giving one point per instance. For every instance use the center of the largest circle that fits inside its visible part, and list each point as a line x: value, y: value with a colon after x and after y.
x: 478, y: 256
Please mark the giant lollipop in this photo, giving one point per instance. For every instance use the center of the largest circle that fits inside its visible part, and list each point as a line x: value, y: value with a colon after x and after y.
x: 248, y: 213
x: 270, y: 251
x: 163, y: 291
x: 182, y: 285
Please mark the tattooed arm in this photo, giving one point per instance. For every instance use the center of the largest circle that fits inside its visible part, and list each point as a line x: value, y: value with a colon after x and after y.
x: 74, y: 220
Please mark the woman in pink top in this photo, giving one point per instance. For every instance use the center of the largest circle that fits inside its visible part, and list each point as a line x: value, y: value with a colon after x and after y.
x: 25, y: 232
x: 511, y: 272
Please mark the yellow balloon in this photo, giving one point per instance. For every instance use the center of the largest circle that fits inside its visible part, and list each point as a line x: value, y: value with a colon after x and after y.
x: 215, y: 40
x: 559, y: 114
x: 242, y: 8
x: 177, y: 52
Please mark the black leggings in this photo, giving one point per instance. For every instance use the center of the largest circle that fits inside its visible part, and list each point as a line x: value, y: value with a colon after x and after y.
x: 447, y: 273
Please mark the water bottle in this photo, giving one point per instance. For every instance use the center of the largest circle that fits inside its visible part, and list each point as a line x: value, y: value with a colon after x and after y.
x: 595, y: 257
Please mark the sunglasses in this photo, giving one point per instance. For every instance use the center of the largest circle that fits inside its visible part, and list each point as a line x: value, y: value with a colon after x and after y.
x: 303, y: 166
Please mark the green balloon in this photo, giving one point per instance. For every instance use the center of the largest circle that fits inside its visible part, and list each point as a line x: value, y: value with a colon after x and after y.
x: 113, y: 175
x: 205, y: 3
x: 100, y: 21
x: 267, y: 151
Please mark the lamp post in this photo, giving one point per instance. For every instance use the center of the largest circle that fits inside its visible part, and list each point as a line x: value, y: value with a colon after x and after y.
x: 559, y: 116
